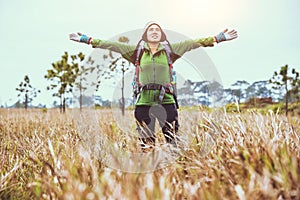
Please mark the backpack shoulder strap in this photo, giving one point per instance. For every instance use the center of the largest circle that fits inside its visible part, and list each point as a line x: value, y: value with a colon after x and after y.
x: 169, y: 51
x: 138, y: 54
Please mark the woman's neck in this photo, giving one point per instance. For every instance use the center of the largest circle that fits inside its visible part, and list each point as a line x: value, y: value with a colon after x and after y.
x: 153, y: 46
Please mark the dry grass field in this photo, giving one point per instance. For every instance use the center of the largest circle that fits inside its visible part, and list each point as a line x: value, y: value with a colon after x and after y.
x: 48, y: 155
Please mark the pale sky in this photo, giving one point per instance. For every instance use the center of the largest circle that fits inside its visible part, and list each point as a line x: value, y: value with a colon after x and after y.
x: 34, y: 34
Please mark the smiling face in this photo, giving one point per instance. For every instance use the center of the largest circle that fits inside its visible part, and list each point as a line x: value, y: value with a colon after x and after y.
x: 154, y: 33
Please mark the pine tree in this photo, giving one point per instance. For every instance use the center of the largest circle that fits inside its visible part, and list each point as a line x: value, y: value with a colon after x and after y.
x: 26, y: 92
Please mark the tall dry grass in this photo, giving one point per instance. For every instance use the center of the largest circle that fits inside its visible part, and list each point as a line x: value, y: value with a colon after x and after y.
x: 46, y: 155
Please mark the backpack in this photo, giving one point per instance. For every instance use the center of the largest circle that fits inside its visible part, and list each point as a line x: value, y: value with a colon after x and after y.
x: 171, y: 56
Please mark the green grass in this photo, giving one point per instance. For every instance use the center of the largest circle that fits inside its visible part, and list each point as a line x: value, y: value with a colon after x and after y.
x: 278, y: 108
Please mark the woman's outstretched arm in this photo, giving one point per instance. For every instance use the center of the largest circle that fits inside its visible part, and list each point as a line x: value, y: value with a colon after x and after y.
x: 124, y: 49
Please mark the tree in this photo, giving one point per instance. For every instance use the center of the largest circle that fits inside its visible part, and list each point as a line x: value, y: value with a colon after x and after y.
x: 239, y: 90
x: 119, y: 61
x: 259, y: 89
x: 63, y: 76
x: 186, y: 92
x: 228, y: 96
x: 287, y: 80
x: 295, y: 91
x: 201, y: 92
x: 80, y: 71
x: 216, y: 93
x: 82, y: 83
x: 26, y: 92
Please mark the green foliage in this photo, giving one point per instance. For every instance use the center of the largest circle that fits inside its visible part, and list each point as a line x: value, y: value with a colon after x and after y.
x: 238, y: 89
x: 26, y: 91
x: 44, y: 110
x: 263, y: 108
x: 81, y: 81
x: 235, y: 107
x: 295, y: 91
x: 63, y: 76
x: 287, y: 81
x: 116, y: 63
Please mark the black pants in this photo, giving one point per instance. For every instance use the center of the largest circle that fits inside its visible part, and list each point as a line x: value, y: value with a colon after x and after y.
x: 167, y: 117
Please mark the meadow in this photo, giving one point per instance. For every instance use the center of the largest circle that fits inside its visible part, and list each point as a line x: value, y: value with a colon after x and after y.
x: 222, y: 155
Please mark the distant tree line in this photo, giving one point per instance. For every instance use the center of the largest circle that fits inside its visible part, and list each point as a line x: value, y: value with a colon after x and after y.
x: 72, y: 72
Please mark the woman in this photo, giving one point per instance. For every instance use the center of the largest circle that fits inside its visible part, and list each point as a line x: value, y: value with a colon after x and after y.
x: 153, y: 58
